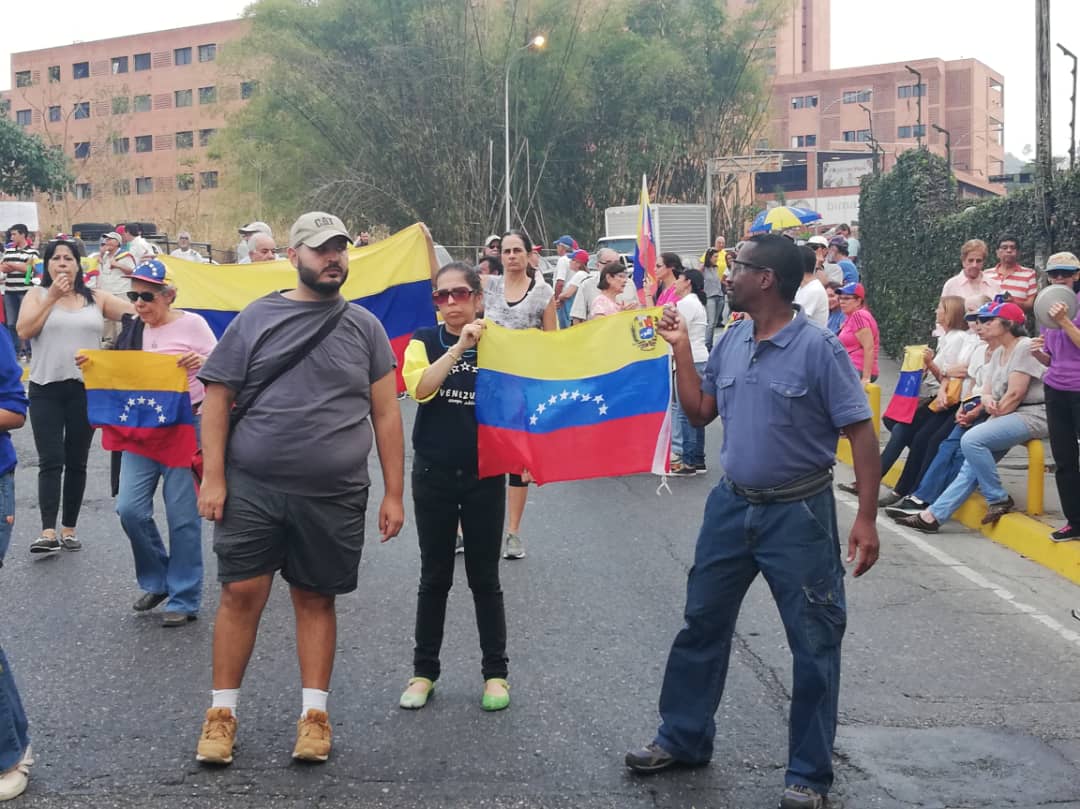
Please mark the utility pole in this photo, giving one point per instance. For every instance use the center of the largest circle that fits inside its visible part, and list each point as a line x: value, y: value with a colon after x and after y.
x: 948, y: 144
x: 1044, y: 158
x: 1072, y: 119
x: 918, y: 102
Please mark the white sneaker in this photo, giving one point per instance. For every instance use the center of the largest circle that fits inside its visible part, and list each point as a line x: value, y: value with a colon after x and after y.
x: 13, y: 782
x: 515, y: 548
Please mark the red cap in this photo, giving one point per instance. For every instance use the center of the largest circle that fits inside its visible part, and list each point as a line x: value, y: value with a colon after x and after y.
x: 581, y: 256
x: 1007, y: 311
x: 855, y: 288
x: 121, y: 230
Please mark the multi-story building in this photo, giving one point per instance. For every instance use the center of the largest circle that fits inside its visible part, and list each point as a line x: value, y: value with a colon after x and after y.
x: 137, y: 115
x: 831, y: 123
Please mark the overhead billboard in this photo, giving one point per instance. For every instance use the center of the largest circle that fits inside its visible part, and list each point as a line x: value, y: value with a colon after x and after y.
x: 839, y: 170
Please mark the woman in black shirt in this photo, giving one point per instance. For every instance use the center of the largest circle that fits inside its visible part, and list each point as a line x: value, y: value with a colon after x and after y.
x: 440, y: 374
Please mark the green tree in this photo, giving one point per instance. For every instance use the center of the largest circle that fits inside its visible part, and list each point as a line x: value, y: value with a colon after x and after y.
x: 390, y: 111
x: 27, y: 164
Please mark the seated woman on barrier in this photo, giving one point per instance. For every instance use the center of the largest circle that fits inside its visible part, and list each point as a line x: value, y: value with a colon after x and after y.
x: 1013, y: 398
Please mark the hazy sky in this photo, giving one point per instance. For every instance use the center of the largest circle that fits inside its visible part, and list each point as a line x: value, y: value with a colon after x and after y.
x: 1000, y: 33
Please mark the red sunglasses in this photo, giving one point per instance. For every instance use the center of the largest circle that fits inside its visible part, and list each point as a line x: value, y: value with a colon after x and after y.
x: 444, y: 296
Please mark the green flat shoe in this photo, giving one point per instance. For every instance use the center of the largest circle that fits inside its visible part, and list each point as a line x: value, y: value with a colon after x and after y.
x: 413, y: 701
x: 496, y: 702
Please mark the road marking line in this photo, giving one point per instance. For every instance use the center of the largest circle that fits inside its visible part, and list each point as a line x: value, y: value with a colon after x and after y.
x: 968, y: 573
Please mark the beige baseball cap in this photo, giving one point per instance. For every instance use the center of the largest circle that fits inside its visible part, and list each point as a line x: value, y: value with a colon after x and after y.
x: 1063, y: 261
x: 315, y: 229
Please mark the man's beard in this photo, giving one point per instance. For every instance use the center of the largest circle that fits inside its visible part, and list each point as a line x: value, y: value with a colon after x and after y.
x: 310, y: 279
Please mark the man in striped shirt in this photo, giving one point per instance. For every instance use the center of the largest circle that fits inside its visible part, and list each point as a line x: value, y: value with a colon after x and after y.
x: 17, y: 265
x: 1021, y: 283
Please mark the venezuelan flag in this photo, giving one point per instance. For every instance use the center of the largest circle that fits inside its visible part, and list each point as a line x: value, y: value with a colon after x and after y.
x: 645, y: 251
x: 905, y: 399
x: 140, y: 401
x: 586, y: 402
x: 391, y: 279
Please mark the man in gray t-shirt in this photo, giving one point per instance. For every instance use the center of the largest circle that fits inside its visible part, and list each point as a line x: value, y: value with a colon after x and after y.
x: 287, y: 486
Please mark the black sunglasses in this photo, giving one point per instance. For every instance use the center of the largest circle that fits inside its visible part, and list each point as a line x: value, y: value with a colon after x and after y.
x: 746, y: 265
x: 1058, y: 272
x: 146, y: 297
x: 444, y: 296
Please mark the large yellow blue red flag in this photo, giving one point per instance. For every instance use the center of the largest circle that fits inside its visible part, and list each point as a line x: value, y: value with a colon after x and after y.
x: 645, y: 250
x: 591, y: 401
x: 140, y: 401
x: 390, y: 278
x: 905, y: 399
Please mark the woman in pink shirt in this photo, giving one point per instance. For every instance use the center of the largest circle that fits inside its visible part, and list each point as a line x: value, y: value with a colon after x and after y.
x: 859, y: 334
x: 611, y: 283
x: 668, y: 268
x: 174, y: 575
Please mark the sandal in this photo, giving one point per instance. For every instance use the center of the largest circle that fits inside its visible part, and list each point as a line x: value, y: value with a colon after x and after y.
x: 415, y: 700
x: 496, y: 702
x: 850, y: 488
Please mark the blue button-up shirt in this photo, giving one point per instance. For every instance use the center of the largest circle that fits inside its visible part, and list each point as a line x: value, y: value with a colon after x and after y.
x: 782, y: 401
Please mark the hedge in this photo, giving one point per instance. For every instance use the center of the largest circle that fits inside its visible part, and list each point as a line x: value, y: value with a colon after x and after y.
x: 912, y: 224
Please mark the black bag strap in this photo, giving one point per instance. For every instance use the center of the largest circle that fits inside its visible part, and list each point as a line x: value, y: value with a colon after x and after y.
x: 240, y: 409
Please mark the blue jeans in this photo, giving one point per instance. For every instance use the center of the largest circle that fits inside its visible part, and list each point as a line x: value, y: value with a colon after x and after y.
x: 714, y: 317
x: 14, y: 729
x: 983, y: 446
x: 796, y: 547
x: 562, y: 312
x: 12, y: 305
x: 178, y: 571
x: 691, y: 438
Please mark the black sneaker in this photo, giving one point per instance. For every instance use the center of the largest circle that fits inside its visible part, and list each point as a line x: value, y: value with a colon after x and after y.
x: 70, y: 543
x: 652, y: 758
x: 147, y: 601
x: 798, y: 796
x: 1065, y: 533
x: 889, y: 498
x: 906, y: 507
x: 701, y: 469
x: 45, y: 544
x: 685, y: 470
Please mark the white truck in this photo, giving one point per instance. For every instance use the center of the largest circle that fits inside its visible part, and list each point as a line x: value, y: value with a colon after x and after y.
x: 679, y: 229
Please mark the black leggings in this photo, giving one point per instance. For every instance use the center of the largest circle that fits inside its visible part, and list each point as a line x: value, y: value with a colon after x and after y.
x: 62, y: 435
x: 441, y: 497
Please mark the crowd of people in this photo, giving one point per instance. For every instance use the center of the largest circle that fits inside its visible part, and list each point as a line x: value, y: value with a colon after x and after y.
x: 794, y: 317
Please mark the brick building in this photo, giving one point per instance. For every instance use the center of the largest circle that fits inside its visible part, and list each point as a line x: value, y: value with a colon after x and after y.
x: 137, y: 115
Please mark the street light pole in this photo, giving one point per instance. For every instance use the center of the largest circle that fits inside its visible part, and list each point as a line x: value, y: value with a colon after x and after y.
x: 534, y: 44
x: 874, y: 145
x: 948, y: 144
x: 1072, y: 120
x: 918, y: 100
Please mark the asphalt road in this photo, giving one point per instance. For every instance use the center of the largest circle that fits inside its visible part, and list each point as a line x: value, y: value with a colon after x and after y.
x: 960, y: 674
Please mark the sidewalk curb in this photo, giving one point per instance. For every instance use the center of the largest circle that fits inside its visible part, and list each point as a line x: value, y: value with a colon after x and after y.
x: 1026, y: 535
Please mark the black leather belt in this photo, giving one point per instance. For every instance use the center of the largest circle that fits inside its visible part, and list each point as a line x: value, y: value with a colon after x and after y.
x: 798, y: 489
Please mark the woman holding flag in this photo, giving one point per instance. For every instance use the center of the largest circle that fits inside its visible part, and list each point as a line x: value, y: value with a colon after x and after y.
x: 516, y: 301
x: 60, y: 318
x: 175, y: 574
x: 440, y: 374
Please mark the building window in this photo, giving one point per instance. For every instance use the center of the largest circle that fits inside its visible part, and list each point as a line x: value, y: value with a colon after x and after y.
x: 142, y: 61
x: 82, y: 109
x: 80, y: 70
x: 857, y: 135
x: 182, y: 98
x: 144, y: 143
x: 185, y: 182
x: 185, y: 140
x: 121, y: 188
x: 121, y: 145
x: 207, y: 95
x: 182, y: 56
x: 24, y: 78
x: 82, y: 150
x: 207, y: 53
x: 82, y: 190
x: 55, y: 114
x: 205, y: 135
x: 248, y: 89
x: 856, y: 96
x: 208, y: 179
x: 910, y: 90
x: 144, y: 185
x: 54, y: 74
x: 120, y: 105
x: 911, y: 131
x: 142, y: 103
x: 803, y: 141
x: 23, y: 117
x: 119, y: 64
x: 803, y: 102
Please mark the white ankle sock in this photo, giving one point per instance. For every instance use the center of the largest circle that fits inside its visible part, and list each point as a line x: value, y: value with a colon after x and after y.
x: 225, y: 698
x: 313, y: 698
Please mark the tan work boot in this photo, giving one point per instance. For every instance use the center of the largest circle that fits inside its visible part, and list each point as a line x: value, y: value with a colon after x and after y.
x: 313, y: 736
x: 218, y: 737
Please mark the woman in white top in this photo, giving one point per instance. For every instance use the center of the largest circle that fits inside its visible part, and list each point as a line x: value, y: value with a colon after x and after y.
x: 60, y: 318
x: 516, y: 301
x: 691, y: 302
